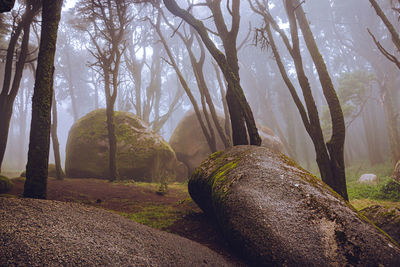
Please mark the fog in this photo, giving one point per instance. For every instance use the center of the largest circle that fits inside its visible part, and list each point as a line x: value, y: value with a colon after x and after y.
x: 148, y: 85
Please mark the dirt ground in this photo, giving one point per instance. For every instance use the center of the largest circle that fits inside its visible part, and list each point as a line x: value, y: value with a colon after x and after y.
x: 173, y: 212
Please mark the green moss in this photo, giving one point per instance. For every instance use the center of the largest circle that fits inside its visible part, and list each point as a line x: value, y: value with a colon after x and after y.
x: 5, y: 184
x: 157, y: 216
x: 87, y: 148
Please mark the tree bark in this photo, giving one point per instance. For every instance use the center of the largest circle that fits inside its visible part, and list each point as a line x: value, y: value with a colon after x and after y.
x: 39, y: 141
x: 54, y: 137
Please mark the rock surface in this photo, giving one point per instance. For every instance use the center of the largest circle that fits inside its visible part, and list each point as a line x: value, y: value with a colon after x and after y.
x: 388, y: 219
x: 52, y: 233
x: 368, y: 178
x: 191, y: 146
x: 273, y: 212
x: 142, y: 155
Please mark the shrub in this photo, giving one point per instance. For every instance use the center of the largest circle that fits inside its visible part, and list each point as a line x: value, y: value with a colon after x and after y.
x: 5, y: 184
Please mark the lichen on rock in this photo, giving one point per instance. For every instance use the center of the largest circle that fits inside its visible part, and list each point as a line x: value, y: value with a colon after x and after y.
x: 272, y: 212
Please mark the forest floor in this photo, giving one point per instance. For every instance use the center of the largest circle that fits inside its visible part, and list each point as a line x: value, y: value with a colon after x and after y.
x: 174, y: 212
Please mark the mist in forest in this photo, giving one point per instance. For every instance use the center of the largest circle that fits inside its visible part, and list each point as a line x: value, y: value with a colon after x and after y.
x: 148, y: 85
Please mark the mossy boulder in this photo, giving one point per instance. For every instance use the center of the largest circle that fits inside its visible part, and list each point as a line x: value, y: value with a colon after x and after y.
x: 142, y: 155
x: 273, y: 213
x: 386, y: 218
x: 5, y: 184
x: 191, y: 146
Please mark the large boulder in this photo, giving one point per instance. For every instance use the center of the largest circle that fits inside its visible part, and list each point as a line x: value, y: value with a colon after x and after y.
x: 51, y: 233
x: 191, y: 146
x: 273, y: 212
x: 386, y: 218
x: 142, y: 155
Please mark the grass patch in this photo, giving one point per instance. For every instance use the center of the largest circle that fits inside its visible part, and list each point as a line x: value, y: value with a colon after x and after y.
x: 360, y: 204
x: 158, y: 216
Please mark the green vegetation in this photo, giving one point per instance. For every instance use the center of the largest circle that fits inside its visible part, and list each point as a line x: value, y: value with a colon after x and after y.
x: 5, y: 184
x: 386, y: 192
x: 156, y: 216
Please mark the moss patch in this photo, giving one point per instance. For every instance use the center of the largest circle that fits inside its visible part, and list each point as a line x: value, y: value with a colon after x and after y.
x: 142, y: 155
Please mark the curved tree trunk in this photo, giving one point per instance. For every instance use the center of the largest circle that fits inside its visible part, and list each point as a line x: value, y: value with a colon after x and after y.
x: 39, y: 141
x: 242, y: 119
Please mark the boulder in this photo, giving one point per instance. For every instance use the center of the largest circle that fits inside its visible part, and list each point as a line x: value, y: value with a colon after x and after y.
x: 142, y: 155
x: 191, y: 146
x: 5, y: 184
x: 51, y: 233
x: 272, y: 212
x: 386, y: 218
x: 368, y: 178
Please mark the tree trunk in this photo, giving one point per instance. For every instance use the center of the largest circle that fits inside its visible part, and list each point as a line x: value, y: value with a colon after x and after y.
x: 5, y: 118
x: 39, y: 141
x: 336, y: 144
x: 54, y: 138
x: 8, y: 94
x: 374, y: 151
x: 112, y: 140
x: 240, y: 111
x: 390, y: 122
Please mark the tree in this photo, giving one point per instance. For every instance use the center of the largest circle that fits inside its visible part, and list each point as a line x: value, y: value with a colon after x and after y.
x: 205, y: 96
x: 10, y: 89
x: 242, y: 120
x: 54, y: 136
x: 392, y: 30
x: 39, y: 141
x: 109, y: 20
x: 329, y: 155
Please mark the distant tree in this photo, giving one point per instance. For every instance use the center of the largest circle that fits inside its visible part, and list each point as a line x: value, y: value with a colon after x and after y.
x: 39, y: 141
x: 242, y: 120
x: 14, y: 73
x: 330, y: 155
x: 108, y: 28
x: 392, y: 30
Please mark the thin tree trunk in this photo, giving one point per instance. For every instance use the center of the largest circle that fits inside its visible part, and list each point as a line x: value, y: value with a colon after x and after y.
x: 54, y: 138
x: 112, y: 143
x: 5, y: 118
x: 374, y: 152
x: 336, y: 144
x: 391, y: 123
x: 239, y: 109
x: 39, y: 141
x: 227, y: 126
x: 8, y: 95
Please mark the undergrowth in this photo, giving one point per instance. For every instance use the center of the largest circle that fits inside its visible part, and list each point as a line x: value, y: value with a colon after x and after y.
x: 385, y: 189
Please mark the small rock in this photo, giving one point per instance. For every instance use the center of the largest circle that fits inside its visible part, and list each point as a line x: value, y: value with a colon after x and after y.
x: 368, y: 178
